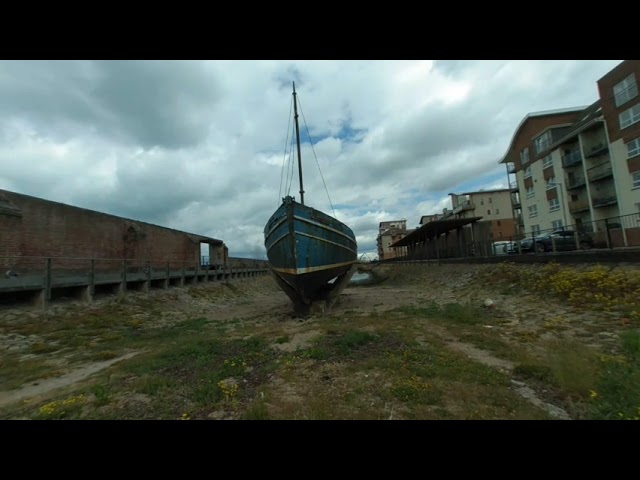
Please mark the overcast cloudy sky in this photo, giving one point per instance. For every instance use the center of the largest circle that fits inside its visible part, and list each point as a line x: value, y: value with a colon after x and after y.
x: 199, y: 145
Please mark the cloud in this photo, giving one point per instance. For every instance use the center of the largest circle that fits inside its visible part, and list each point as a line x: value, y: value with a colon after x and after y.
x: 200, y: 145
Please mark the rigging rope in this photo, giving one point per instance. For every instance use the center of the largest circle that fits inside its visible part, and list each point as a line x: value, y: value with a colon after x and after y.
x: 314, y: 154
x: 291, y: 164
x: 284, y: 158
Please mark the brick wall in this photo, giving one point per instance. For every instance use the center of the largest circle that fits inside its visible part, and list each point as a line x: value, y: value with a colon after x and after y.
x: 32, y: 226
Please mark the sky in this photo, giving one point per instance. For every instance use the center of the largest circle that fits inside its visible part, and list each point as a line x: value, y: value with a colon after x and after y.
x: 200, y: 145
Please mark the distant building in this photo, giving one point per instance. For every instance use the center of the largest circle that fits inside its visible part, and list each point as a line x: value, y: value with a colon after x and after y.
x: 495, y: 207
x: 389, y: 233
x: 429, y: 218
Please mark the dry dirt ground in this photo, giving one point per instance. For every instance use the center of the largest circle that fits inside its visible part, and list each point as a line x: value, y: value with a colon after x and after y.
x: 419, y: 345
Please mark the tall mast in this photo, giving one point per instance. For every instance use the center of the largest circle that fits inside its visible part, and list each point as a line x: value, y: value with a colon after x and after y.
x: 295, y: 109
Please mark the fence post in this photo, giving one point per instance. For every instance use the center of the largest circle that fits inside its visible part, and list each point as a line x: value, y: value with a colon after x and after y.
x: 553, y: 244
x: 533, y: 243
x: 606, y: 226
x: 577, y: 238
x: 624, y: 232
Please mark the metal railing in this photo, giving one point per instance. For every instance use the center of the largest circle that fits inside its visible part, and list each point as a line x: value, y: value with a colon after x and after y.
x: 600, y: 172
x: 578, y: 205
x: 575, y: 182
x: 572, y: 158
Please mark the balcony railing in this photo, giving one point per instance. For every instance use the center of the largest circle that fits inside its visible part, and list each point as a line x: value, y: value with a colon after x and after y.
x: 575, y: 182
x: 604, y: 201
x: 599, y: 172
x: 466, y: 205
x: 572, y: 158
x: 597, y: 151
x: 513, y: 185
x: 578, y: 206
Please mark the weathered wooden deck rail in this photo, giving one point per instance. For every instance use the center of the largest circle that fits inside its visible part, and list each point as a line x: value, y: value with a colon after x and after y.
x: 48, y: 278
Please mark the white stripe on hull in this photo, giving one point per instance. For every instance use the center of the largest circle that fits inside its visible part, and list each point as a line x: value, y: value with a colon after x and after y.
x: 301, y: 271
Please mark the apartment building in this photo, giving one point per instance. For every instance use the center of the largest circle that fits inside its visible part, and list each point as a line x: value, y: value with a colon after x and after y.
x: 618, y: 91
x: 388, y: 233
x: 537, y: 168
x: 495, y: 207
x: 580, y: 166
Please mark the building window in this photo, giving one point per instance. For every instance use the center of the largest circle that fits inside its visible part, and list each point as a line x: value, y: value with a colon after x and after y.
x: 535, y: 229
x: 499, y: 223
x: 630, y: 116
x: 543, y: 141
x: 527, y: 172
x: 531, y: 192
x: 633, y: 147
x: 533, y: 211
x: 489, y: 199
x: 497, y: 211
x: 554, y: 205
x: 547, y: 162
x: 488, y: 212
x: 636, y: 179
x: 556, y: 224
x: 481, y: 202
x: 625, y: 90
x: 551, y: 183
x: 524, y: 155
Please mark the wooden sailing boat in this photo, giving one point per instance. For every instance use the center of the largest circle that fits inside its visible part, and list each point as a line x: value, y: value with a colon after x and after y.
x: 310, y: 253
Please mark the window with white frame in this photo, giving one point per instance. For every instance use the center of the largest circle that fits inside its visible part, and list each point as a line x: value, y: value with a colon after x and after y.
x: 636, y: 179
x: 527, y: 172
x: 533, y: 211
x: 630, y: 116
x: 535, y: 229
x: 551, y: 183
x: 531, y: 192
x: 625, y: 90
x: 547, y: 162
x: 554, y: 205
x: 556, y: 224
x: 543, y: 141
x: 633, y: 147
x: 524, y: 155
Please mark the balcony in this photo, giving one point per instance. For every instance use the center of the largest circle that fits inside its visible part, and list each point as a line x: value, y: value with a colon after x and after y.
x: 598, y: 150
x: 600, y: 202
x: 575, y: 182
x: 466, y: 205
x: 513, y: 185
x: 511, y: 168
x: 572, y: 158
x: 578, y: 206
x: 600, y: 172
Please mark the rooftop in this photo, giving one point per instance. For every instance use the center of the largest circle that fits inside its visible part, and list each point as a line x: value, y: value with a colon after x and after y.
x: 432, y: 229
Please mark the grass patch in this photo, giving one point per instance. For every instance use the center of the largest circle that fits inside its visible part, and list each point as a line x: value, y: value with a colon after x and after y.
x: 462, y: 313
x: 617, y: 392
x: 257, y: 411
x: 14, y: 373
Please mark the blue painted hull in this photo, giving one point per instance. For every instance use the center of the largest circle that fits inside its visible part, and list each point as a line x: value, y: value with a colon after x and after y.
x: 306, y: 249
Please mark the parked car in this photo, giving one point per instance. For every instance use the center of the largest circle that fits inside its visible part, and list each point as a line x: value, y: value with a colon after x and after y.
x: 500, y: 248
x: 565, y: 240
